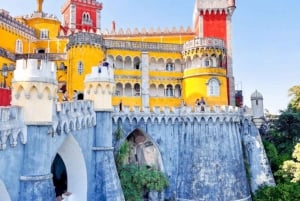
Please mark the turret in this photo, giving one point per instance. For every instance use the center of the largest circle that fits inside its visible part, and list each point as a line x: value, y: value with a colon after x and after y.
x: 205, y: 67
x: 212, y: 18
x: 79, y: 50
x: 257, y: 109
x: 99, y: 87
x: 257, y: 105
x: 34, y: 87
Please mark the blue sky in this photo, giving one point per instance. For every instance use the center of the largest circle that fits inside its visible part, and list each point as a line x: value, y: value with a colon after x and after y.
x: 266, y: 37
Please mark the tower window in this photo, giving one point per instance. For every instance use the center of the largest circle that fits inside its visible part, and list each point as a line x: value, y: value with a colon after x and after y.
x: 86, y: 19
x: 80, y: 67
x: 213, y: 87
x: 44, y: 34
x: 19, y: 46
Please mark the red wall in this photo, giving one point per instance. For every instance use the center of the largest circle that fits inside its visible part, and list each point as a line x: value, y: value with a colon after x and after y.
x: 5, y: 97
x: 80, y: 9
x: 214, y: 25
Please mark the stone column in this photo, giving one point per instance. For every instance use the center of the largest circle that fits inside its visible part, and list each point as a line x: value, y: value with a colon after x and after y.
x: 36, y: 180
x: 229, y: 61
x: 145, y: 80
x: 99, y: 88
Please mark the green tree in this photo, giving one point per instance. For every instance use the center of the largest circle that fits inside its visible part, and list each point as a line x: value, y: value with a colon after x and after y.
x: 294, y: 92
x: 292, y: 167
x: 135, y: 180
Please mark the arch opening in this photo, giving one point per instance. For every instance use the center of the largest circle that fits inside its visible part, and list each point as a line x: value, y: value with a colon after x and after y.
x: 143, y: 152
x: 70, y: 165
x: 3, y: 192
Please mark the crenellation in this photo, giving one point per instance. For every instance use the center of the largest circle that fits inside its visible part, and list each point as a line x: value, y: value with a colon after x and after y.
x: 12, y: 126
x: 75, y: 115
x: 35, y: 70
x: 223, y: 113
x: 16, y: 25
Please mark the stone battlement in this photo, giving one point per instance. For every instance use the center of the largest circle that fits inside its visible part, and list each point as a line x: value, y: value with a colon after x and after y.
x: 221, y: 113
x: 12, y: 126
x: 41, y: 15
x: 150, y: 31
x: 73, y: 116
x: 100, y: 74
x: 35, y: 70
x: 15, y: 25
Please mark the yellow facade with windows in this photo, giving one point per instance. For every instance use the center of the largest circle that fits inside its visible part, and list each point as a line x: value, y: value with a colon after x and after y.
x: 174, y: 78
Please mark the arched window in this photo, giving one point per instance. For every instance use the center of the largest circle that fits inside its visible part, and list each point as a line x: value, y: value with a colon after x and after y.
x: 213, y: 87
x: 19, y: 46
x: 169, y: 90
x: 206, y: 62
x: 86, y: 19
x: 44, y: 34
x: 137, y: 89
x: 80, y: 67
x: 170, y: 66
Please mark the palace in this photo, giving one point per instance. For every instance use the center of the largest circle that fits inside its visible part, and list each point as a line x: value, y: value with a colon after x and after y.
x: 72, y: 94
x: 152, y: 67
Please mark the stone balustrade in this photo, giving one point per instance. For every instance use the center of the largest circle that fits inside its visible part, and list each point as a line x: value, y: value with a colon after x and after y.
x: 12, y: 126
x: 44, y: 56
x: 203, y: 43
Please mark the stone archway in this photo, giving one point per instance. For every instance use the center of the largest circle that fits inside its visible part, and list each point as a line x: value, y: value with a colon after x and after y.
x: 4, y: 196
x: 144, y: 151
x: 72, y: 157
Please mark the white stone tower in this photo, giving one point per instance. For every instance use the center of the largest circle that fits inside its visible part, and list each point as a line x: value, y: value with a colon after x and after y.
x: 34, y: 87
x: 257, y: 105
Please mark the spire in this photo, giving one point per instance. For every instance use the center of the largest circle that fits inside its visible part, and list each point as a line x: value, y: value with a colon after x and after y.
x: 40, y: 6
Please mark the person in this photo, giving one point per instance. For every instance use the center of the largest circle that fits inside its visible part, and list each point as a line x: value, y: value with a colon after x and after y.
x: 197, y: 102
x: 105, y: 63
x: 99, y: 67
x: 65, y: 96
x: 120, y: 106
x: 202, y: 101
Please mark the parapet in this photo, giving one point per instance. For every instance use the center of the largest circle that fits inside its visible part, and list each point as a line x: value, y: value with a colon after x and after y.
x: 100, y: 74
x: 35, y: 71
x: 198, y: 42
x: 16, y: 25
x: 12, y: 126
x: 150, y: 31
x: 76, y: 115
x: 214, y: 113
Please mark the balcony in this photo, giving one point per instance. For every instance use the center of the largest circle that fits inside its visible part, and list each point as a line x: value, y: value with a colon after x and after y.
x: 44, y: 56
x: 198, y: 43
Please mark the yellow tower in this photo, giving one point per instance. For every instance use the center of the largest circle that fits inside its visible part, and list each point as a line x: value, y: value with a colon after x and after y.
x: 205, y: 71
x: 84, y: 50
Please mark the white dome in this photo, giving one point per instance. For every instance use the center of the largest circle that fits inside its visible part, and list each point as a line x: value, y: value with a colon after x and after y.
x: 256, y: 95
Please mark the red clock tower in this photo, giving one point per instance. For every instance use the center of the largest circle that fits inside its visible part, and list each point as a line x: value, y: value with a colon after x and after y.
x: 212, y: 19
x: 82, y: 15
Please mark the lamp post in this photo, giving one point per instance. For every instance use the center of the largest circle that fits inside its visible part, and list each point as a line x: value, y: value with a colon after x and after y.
x: 4, y: 74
